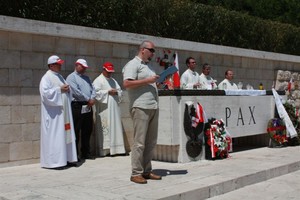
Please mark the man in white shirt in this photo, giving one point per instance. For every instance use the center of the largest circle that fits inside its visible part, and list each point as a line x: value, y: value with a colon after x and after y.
x: 206, y: 81
x: 227, y: 83
x: 190, y: 79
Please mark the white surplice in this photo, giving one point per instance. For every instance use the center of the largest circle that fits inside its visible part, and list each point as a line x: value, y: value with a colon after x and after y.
x: 57, y: 130
x: 108, y: 117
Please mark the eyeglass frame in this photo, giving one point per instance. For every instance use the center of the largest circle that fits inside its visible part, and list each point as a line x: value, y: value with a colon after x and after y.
x: 150, y: 49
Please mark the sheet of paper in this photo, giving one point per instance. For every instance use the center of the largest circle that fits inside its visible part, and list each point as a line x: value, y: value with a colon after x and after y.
x: 85, y: 109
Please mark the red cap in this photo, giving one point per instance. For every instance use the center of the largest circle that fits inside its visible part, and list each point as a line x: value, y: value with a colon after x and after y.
x: 109, y: 67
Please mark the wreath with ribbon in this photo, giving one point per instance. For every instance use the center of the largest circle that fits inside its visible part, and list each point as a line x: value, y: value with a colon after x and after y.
x: 217, y: 140
x: 277, y: 131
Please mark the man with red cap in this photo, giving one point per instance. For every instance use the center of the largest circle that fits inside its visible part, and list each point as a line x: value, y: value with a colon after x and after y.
x: 57, y: 131
x: 83, y: 94
x: 109, y: 130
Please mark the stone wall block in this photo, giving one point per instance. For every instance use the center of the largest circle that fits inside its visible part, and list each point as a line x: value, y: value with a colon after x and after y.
x: 4, y: 155
x: 30, y: 96
x: 85, y: 47
x: 4, y: 38
x: 20, y: 41
x: 30, y: 131
x: 10, y: 59
x: 120, y: 50
x: 5, y: 115
x: 64, y: 45
x: 10, y: 96
x: 10, y: 133
x: 228, y: 61
x: 103, y: 49
x: 43, y: 43
x: 26, y: 114
x: 245, y: 62
x: 20, y: 150
x: 37, y: 76
x: 4, y: 81
x: 36, y: 149
x: 32, y: 60
x: 20, y: 78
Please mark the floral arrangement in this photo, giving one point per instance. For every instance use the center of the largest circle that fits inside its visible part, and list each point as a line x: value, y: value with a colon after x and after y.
x: 293, y: 112
x: 217, y: 139
x: 277, y: 132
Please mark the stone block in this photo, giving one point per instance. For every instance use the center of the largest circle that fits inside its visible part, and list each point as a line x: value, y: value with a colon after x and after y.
x: 30, y: 131
x: 32, y: 60
x: 20, y: 78
x: 245, y: 62
x: 103, y: 49
x: 4, y: 155
x: 26, y: 114
x: 30, y: 96
x: 207, y: 58
x: 120, y: 51
x: 85, y: 47
x: 5, y: 115
x: 10, y: 59
x: 228, y: 61
x: 36, y: 149
x: 43, y: 43
x: 237, y: 61
x: 9, y: 96
x: 4, y: 37
x: 69, y: 64
x: 37, y: 76
x: 4, y: 81
x: 10, y: 133
x: 20, y: 41
x: 64, y: 45
x: 20, y: 150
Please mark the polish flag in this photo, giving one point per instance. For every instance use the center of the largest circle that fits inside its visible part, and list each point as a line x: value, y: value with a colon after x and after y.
x: 199, y: 116
x: 176, y: 77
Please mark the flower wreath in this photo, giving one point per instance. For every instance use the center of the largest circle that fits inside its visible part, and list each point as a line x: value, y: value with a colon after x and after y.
x: 217, y: 139
x: 277, y: 131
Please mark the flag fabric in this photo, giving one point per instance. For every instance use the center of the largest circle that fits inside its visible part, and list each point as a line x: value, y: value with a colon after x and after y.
x: 176, y: 77
x: 199, y: 117
x: 290, y: 84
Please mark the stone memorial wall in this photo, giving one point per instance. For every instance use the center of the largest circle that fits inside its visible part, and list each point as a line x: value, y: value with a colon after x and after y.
x: 25, y: 46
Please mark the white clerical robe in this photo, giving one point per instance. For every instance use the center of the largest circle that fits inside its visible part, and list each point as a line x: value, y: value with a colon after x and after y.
x: 188, y: 79
x: 227, y: 85
x: 57, y: 130
x: 108, y: 117
x: 207, y: 82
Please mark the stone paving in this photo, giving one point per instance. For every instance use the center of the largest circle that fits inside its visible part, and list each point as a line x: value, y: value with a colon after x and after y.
x: 108, y: 178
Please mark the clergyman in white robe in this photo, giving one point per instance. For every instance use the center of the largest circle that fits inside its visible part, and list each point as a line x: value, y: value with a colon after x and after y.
x: 57, y: 130
x: 108, y: 117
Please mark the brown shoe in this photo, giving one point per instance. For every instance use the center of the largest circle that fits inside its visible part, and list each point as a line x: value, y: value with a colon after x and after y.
x: 151, y: 176
x: 138, y: 179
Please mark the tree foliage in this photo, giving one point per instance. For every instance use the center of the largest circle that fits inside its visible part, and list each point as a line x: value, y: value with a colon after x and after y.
x: 180, y: 19
x: 285, y: 11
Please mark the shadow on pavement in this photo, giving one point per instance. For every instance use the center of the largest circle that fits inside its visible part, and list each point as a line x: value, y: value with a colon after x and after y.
x: 166, y: 172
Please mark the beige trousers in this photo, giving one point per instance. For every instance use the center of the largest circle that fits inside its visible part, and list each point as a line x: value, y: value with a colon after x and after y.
x: 145, y: 124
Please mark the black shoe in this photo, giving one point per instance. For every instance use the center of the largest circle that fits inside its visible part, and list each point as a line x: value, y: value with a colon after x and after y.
x: 72, y: 164
x: 61, y: 168
x: 89, y: 157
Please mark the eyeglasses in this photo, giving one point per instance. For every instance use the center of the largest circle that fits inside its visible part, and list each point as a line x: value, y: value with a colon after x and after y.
x: 193, y: 62
x: 150, y: 49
